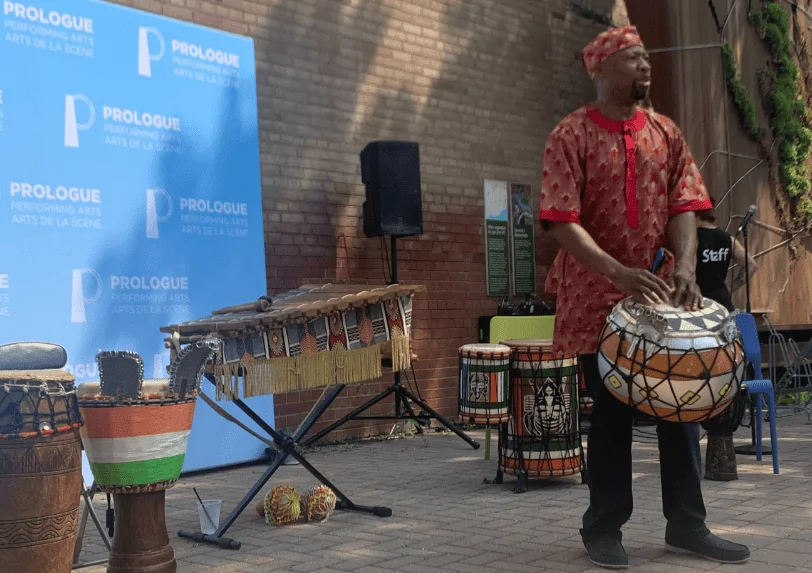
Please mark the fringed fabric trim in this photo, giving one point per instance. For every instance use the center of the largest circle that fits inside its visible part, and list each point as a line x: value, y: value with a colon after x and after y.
x: 285, y: 374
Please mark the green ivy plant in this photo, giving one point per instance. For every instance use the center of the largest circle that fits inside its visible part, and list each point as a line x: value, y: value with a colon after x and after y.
x: 782, y: 98
x: 745, y: 106
x: 789, y: 117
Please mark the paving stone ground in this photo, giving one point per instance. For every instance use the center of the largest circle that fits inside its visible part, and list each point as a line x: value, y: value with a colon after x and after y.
x: 445, y: 519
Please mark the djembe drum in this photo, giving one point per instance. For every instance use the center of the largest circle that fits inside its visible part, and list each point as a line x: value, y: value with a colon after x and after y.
x: 484, y: 371
x: 720, y: 454
x: 669, y: 363
x: 542, y: 438
x: 135, y: 437
x: 40, y: 470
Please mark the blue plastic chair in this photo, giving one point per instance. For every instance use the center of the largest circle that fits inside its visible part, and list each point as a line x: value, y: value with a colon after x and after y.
x: 758, y: 387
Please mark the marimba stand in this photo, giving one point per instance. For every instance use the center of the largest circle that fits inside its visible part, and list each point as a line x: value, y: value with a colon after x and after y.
x: 403, y: 396
x: 287, y: 447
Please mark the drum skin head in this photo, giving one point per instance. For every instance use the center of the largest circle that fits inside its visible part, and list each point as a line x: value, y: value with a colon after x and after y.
x: 529, y: 342
x: 159, y: 386
x: 672, y: 364
x: 679, y: 323
x: 486, y: 349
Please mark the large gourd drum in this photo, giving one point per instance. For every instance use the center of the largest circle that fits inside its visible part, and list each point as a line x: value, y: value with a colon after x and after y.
x: 40, y: 470
x: 669, y: 363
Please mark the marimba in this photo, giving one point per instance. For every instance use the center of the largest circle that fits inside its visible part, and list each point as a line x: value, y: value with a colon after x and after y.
x: 310, y: 337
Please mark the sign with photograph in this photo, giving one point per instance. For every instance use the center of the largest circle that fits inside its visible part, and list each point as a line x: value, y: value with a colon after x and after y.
x: 497, y: 248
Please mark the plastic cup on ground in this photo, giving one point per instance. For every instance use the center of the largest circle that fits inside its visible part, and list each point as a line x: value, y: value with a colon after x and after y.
x: 212, y: 507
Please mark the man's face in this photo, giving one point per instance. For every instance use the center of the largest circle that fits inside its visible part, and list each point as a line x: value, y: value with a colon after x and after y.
x: 628, y: 72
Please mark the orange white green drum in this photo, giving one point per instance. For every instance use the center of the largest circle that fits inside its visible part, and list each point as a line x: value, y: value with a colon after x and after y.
x: 129, y: 445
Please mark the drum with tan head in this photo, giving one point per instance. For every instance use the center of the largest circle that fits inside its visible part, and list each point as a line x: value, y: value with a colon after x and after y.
x: 483, y: 374
x: 542, y: 438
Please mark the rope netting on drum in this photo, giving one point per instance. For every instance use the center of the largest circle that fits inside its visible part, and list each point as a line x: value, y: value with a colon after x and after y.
x: 543, y: 435
x: 37, y: 410
x: 681, y: 385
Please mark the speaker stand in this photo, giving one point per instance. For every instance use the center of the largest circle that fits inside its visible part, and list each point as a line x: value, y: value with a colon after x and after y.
x: 403, y: 397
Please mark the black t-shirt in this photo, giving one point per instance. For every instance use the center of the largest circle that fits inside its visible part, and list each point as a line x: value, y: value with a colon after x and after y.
x: 713, y: 255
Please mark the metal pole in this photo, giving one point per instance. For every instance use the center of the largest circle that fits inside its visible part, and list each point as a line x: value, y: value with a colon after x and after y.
x: 728, y: 95
x: 683, y: 48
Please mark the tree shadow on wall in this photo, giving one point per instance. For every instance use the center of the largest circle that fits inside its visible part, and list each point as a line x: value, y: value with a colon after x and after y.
x: 205, y: 260
x: 387, y: 94
x: 412, y: 88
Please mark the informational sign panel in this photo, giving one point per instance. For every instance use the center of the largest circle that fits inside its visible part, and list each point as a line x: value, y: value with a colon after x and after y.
x: 497, y: 249
x: 523, y: 258
x: 129, y: 189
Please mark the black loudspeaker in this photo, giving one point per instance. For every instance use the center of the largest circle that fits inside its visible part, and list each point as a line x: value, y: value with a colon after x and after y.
x: 390, y: 170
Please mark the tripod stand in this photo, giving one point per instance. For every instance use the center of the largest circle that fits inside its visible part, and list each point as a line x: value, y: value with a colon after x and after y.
x: 403, y: 396
x: 749, y: 449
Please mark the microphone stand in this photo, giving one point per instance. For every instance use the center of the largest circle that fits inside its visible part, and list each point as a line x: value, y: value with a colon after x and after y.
x: 746, y: 270
x: 749, y: 449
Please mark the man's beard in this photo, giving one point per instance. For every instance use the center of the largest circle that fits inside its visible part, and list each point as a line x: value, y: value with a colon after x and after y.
x: 639, y: 93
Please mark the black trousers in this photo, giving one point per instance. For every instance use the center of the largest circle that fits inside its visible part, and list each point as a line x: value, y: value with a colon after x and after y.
x: 609, y: 464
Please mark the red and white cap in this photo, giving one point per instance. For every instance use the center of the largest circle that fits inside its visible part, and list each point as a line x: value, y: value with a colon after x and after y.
x: 608, y: 43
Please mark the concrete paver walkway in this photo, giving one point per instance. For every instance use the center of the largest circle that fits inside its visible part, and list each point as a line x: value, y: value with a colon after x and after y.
x: 445, y: 519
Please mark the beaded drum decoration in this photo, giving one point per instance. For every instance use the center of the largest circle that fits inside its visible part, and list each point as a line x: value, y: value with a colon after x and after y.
x: 282, y: 505
x: 318, y: 503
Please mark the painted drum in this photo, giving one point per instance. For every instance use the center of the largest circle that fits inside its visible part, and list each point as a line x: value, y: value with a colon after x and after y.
x: 543, y: 437
x: 669, y: 363
x: 484, y: 370
x: 136, y: 445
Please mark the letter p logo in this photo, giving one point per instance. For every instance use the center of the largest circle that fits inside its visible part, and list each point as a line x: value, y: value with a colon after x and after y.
x: 72, y: 125
x: 145, y: 57
x: 154, y: 214
x: 78, y: 292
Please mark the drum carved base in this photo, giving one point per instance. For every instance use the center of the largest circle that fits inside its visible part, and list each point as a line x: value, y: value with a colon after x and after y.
x: 720, y: 458
x: 141, y: 541
x: 40, y: 479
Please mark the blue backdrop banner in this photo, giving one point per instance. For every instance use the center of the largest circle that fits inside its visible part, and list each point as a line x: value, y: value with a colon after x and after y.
x: 130, y: 184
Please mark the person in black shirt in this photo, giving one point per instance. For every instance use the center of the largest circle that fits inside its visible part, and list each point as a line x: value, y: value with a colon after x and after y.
x: 715, y: 250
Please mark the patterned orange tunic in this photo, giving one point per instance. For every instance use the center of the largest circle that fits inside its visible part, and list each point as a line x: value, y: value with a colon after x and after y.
x: 621, y: 181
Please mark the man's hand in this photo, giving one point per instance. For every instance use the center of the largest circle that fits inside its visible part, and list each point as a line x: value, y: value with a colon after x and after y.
x: 642, y: 286
x: 681, y: 236
x: 687, y: 291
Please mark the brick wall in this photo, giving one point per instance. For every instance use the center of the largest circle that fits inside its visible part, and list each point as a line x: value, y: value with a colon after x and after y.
x: 478, y: 83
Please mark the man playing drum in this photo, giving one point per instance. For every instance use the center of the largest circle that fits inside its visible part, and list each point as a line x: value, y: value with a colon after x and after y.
x: 619, y: 183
